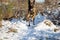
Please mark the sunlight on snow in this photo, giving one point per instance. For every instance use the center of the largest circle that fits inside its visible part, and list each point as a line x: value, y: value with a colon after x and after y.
x: 40, y: 1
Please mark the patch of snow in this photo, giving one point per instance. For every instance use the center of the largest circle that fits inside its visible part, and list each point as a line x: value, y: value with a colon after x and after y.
x: 40, y: 31
x: 40, y: 1
x: 21, y: 30
x: 32, y: 38
x: 43, y: 26
x: 39, y: 18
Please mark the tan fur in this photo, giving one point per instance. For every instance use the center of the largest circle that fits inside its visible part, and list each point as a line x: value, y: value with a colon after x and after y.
x: 35, y: 12
x: 31, y: 16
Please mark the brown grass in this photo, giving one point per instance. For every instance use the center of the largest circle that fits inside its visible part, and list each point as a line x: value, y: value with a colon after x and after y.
x: 0, y: 24
x: 56, y: 29
x: 47, y: 23
x: 12, y: 30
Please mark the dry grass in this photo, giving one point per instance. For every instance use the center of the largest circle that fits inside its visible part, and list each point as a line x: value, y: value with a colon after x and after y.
x: 56, y: 29
x: 12, y: 30
x: 0, y: 13
x: 47, y: 23
x: 6, y: 11
x: 0, y: 24
x: 9, y: 12
x: 0, y: 17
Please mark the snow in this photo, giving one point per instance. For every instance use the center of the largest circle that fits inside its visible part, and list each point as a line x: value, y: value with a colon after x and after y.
x: 40, y: 1
x: 39, y: 18
x: 21, y: 30
x: 40, y: 31
x: 43, y: 26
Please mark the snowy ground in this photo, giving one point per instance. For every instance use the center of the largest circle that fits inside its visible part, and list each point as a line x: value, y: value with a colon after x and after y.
x: 41, y: 31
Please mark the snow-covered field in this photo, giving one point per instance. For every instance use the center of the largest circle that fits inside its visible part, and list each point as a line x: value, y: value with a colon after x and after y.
x: 18, y: 30
x: 23, y: 32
